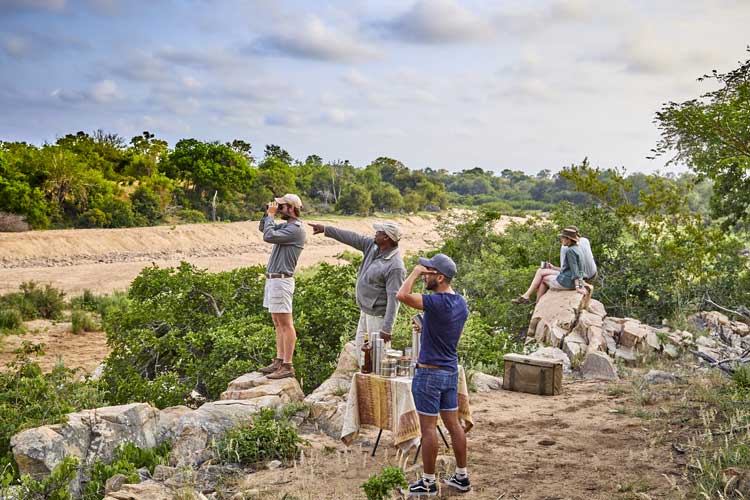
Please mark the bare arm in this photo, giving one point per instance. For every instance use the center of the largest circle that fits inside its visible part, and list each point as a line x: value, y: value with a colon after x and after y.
x: 405, y: 294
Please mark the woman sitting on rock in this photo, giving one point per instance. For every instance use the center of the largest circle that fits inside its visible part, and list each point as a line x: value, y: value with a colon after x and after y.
x: 569, y: 277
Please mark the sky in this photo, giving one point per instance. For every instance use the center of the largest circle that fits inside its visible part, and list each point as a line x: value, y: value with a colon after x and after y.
x: 526, y: 85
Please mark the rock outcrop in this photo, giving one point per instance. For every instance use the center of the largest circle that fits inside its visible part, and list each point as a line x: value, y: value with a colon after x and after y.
x: 328, y: 401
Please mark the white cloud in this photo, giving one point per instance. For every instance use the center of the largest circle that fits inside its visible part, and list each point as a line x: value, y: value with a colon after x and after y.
x: 105, y: 91
x: 436, y: 22
x: 312, y: 39
x: 16, y: 46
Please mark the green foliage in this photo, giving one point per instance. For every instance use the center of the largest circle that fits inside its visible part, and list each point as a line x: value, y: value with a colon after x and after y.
x: 355, y: 199
x: 482, y: 347
x: 10, y: 320
x: 54, y: 487
x: 30, y: 398
x: 380, y: 486
x: 128, y: 458
x: 710, y: 134
x: 81, y: 321
x: 147, y: 204
x: 183, y: 329
x: 35, y: 302
x: 266, y: 439
x: 191, y: 216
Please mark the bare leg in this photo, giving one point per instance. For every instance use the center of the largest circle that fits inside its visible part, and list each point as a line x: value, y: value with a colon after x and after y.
x: 458, y: 437
x: 277, y: 327
x: 538, y: 280
x: 542, y: 290
x: 288, y: 335
x: 429, y: 443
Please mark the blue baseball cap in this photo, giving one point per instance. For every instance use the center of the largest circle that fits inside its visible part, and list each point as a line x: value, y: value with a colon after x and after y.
x: 441, y: 263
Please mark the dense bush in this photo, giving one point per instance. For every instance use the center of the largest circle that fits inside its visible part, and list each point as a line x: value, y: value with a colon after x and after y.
x: 128, y: 458
x: 183, y: 329
x: 30, y: 398
x: 35, y: 302
x: 266, y: 439
x: 81, y: 321
x: 10, y: 320
x: 56, y: 486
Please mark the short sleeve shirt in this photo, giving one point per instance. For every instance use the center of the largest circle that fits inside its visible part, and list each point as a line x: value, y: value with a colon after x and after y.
x: 444, y: 317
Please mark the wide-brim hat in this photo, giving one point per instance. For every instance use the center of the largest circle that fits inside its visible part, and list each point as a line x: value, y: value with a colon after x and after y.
x: 570, y: 233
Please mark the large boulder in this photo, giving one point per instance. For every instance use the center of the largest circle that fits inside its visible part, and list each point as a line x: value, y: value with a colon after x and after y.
x: 328, y: 401
x: 87, y: 435
x: 556, y: 311
x: 147, y: 490
x: 486, y: 383
x: 256, y: 385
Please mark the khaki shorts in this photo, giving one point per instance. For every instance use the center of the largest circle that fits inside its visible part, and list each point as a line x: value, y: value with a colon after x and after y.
x: 277, y: 295
x: 552, y: 283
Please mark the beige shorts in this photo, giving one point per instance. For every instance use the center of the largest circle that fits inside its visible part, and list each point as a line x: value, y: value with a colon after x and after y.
x: 552, y: 283
x: 277, y: 295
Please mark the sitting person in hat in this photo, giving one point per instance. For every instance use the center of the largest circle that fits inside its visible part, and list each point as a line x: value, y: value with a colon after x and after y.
x: 589, y: 264
x: 379, y: 277
x: 569, y: 277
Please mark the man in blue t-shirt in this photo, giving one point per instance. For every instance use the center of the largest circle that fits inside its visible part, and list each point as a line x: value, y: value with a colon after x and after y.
x: 435, y: 384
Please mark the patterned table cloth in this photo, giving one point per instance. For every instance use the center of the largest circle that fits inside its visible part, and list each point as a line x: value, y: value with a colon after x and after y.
x: 387, y: 403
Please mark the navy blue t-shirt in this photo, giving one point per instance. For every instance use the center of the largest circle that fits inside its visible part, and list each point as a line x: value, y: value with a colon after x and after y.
x: 444, y: 318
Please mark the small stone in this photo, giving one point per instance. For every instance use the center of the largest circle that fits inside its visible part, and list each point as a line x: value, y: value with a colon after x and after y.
x: 705, y: 341
x: 627, y: 355
x: 485, y: 383
x: 671, y: 351
x: 547, y: 442
x: 273, y: 464
x: 247, y: 494
x: 660, y: 377
x: 114, y: 483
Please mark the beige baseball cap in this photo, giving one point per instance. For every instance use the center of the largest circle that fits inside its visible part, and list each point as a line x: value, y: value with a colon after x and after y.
x: 290, y: 199
x: 391, y: 229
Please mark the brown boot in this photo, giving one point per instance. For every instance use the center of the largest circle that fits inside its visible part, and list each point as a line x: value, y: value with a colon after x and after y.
x: 286, y: 370
x: 275, y: 364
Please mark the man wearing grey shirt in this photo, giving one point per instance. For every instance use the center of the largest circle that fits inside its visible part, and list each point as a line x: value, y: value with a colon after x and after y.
x: 379, y: 277
x: 288, y: 239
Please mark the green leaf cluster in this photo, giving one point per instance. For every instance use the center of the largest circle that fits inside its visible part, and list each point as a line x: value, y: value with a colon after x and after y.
x: 267, y: 438
x: 380, y: 486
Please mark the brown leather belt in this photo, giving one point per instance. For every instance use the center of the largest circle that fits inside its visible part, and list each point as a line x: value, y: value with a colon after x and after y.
x: 432, y: 367
x: 278, y: 275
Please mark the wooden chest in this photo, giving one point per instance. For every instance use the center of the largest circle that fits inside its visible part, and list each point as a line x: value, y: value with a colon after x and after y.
x: 533, y: 375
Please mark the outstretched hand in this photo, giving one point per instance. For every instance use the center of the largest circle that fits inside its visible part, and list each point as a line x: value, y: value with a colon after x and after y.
x: 317, y: 228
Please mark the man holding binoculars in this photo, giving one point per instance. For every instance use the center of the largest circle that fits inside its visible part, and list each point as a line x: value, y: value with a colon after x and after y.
x: 288, y: 239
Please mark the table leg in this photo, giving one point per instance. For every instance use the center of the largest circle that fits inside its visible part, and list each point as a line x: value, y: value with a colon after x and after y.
x: 377, y: 441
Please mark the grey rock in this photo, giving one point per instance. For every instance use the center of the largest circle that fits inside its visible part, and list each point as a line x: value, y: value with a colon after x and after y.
x: 149, y: 490
x: 597, y: 365
x: 486, y: 383
x: 555, y: 354
x: 660, y: 377
x: 273, y: 464
x: 626, y: 354
x: 114, y: 483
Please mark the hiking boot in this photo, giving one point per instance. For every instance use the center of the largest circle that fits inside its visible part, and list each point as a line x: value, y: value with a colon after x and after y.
x: 275, y: 364
x: 421, y: 488
x: 285, y: 370
x: 460, y: 483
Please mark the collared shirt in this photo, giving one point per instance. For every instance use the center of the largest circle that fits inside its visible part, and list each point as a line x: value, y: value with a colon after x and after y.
x: 572, y: 268
x: 589, y: 264
x: 288, y: 240
x: 379, y: 278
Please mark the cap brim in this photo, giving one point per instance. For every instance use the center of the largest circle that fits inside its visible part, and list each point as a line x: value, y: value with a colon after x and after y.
x: 425, y: 262
x: 281, y: 201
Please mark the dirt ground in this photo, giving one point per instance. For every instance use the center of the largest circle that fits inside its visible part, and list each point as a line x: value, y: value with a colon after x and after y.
x: 84, y: 350
x: 579, y: 445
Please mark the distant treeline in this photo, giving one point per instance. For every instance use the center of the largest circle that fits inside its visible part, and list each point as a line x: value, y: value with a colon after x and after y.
x: 100, y: 180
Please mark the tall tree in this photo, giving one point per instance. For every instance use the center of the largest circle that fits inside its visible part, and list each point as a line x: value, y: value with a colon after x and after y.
x: 711, y: 135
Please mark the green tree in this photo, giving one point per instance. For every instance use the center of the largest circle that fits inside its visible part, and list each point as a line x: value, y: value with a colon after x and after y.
x: 274, y: 151
x: 711, y: 135
x: 355, y: 199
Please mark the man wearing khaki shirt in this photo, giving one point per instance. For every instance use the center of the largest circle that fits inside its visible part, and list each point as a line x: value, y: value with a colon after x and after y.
x: 379, y: 277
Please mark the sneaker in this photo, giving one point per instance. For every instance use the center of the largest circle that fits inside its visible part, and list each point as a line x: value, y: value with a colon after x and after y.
x: 286, y: 370
x: 460, y: 483
x: 421, y: 488
x: 275, y: 364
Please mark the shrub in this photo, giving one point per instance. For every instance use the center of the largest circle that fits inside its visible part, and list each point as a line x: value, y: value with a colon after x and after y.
x: 30, y: 398
x: 81, y: 321
x: 10, y: 319
x: 93, y: 217
x: 147, y: 204
x: 54, y: 487
x: 13, y: 223
x: 128, y: 458
x: 191, y: 216
x: 379, y: 487
x: 35, y: 302
x: 266, y: 439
